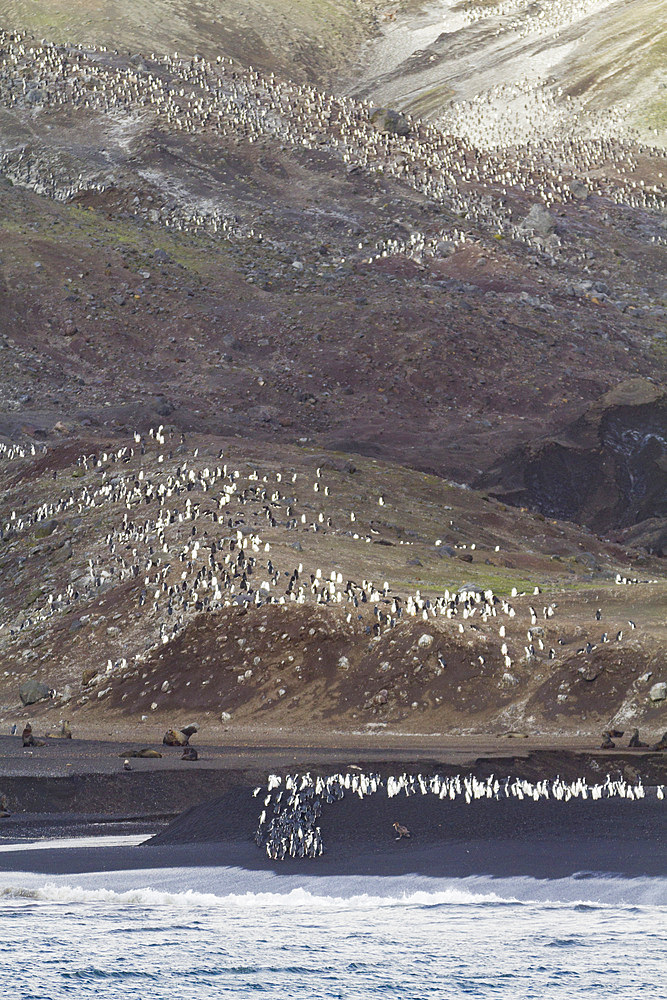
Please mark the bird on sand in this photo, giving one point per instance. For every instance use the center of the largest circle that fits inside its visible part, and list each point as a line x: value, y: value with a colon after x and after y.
x: 401, y: 830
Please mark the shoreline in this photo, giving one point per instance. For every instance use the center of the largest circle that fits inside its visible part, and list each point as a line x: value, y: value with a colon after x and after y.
x: 204, y: 814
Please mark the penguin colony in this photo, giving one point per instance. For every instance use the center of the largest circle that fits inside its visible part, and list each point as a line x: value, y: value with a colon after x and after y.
x: 539, y: 18
x: 287, y: 826
x: 221, y: 100
x: 178, y: 534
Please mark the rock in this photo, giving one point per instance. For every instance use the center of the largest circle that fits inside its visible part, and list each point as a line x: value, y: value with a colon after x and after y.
x: 425, y: 640
x: 590, y: 672
x: 88, y: 675
x: 32, y: 691
x: 190, y: 754
x: 343, y: 663
x: 173, y: 739
x: 658, y: 692
x: 225, y: 716
x: 470, y: 588
x: 579, y: 190
x: 582, y: 474
x: 465, y: 557
x: 161, y: 256
x: 540, y: 220
x: 45, y: 528
x: 381, y: 698
x: 388, y: 120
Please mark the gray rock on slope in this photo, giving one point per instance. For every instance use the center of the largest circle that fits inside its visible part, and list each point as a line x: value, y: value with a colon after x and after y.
x: 387, y: 120
x: 659, y: 691
x: 32, y: 691
x: 540, y: 220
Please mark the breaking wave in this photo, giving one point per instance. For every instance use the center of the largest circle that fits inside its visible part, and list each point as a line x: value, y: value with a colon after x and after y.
x: 588, y: 890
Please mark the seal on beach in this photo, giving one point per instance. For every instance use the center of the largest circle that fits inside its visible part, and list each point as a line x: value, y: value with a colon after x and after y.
x: 635, y: 741
x: 401, y: 830
x: 189, y: 731
x: 607, y: 742
x: 173, y: 739
x: 661, y: 744
x: 29, y: 740
x: 189, y: 753
x: 146, y: 752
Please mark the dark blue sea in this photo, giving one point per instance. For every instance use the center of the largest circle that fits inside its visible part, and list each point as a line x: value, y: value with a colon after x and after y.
x: 226, y: 932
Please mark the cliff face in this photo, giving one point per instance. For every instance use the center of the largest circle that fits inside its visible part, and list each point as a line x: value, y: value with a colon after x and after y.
x: 607, y: 469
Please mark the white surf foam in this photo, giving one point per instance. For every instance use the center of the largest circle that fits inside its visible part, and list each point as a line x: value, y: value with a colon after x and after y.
x: 182, y: 888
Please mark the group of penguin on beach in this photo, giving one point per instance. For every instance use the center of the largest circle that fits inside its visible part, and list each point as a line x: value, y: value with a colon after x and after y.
x: 288, y: 825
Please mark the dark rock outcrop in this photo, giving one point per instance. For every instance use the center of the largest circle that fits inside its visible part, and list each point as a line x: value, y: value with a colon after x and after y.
x: 608, y: 469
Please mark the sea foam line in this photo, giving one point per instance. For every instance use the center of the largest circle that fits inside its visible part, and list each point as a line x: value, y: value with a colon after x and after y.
x: 302, y: 899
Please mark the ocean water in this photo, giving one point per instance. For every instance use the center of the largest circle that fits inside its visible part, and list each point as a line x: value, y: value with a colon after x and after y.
x: 224, y: 932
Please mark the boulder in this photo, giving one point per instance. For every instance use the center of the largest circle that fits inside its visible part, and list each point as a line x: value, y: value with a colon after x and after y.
x: 540, y: 220
x: 32, y: 691
x: 45, y: 528
x: 658, y: 692
x: 388, y: 120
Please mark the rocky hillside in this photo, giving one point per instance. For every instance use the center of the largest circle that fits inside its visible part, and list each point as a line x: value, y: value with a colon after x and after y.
x: 270, y: 589
x: 320, y: 413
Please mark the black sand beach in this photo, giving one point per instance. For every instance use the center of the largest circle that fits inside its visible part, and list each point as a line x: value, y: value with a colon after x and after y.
x: 78, y: 788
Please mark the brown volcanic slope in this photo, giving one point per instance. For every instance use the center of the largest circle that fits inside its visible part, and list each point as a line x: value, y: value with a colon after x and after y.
x: 352, y: 295
x: 135, y: 589
x: 261, y: 266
